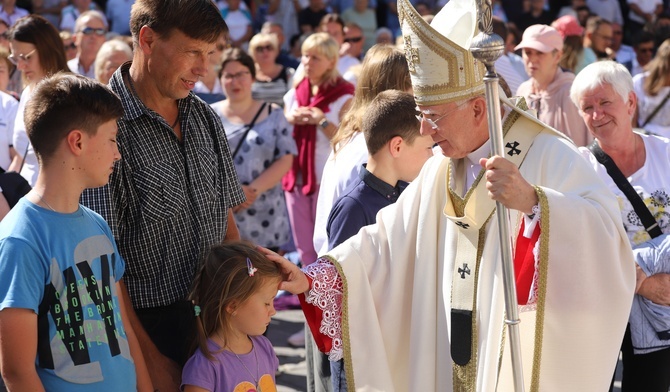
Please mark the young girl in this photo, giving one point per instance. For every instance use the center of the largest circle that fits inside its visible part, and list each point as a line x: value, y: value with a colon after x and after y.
x: 233, y: 295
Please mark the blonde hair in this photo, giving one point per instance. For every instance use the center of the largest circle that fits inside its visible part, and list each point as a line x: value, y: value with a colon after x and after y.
x: 260, y: 39
x: 659, y: 70
x: 573, y: 50
x: 323, y: 45
x: 384, y: 68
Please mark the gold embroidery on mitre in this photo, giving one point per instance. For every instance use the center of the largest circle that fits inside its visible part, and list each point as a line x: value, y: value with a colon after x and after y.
x: 447, y: 72
x: 411, y: 54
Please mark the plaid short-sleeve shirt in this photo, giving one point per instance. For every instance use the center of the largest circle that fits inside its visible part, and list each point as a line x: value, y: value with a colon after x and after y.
x: 167, y: 200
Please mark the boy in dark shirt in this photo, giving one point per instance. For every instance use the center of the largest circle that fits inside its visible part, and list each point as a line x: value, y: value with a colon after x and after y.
x: 396, y: 153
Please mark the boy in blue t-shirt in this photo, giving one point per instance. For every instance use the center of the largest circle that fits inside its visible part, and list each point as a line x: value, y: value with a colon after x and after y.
x: 62, y: 316
x: 396, y: 153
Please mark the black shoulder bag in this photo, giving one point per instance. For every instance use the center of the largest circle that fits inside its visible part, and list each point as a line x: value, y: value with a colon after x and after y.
x: 648, y: 221
x: 247, y: 128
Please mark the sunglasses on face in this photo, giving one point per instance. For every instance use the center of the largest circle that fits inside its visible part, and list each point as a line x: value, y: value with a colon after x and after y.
x: 91, y: 30
x: 353, y: 40
x: 264, y: 48
x: 16, y: 58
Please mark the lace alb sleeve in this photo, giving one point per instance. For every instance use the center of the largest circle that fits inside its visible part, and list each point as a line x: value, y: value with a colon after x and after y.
x: 326, y: 294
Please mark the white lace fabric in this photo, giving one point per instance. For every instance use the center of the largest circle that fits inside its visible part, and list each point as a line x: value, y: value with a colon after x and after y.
x: 326, y: 294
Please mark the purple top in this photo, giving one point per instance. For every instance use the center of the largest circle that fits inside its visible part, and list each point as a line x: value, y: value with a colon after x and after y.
x: 226, y: 373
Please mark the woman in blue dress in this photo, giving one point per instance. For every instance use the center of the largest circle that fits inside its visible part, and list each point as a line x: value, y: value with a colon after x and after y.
x: 261, y: 141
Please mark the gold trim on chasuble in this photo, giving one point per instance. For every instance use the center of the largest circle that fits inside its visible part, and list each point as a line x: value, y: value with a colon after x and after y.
x: 541, y: 289
x: 541, y: 295
x: 465, y: 375
x: 344, y: 325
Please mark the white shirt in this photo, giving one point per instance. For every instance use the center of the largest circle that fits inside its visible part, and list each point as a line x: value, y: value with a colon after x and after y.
x: 346, y: 62
x: 77, y: 68
x: 21, y: 142
x: 8, y: 108
x: 201, y: 88
x: 339, y: 172
x: 646, y: 104
x: 237, y: 22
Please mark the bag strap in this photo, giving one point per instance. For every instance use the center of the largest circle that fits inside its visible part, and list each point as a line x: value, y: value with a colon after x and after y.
x: 248, y: 128
x: 2, y: 171
x: 648, y: 220
x: 658, y: 108
x: 23, y: 161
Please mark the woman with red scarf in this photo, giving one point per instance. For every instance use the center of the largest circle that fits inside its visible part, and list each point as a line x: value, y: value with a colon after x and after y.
x: 314, y: 107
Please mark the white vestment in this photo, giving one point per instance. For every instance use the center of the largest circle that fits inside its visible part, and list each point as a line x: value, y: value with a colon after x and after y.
x: 397, y: 284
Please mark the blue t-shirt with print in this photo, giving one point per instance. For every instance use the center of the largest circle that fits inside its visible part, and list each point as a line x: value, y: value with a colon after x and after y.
x: 65, y: 267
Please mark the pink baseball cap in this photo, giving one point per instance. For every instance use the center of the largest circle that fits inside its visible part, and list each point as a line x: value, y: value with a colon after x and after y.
x: 568, y: 25
x: 542, y: 38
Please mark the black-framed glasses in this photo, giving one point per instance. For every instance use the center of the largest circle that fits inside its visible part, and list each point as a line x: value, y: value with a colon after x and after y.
x: 16, y: 58
x: 605, y: 37
x: 235, y: 76
x: 91, y: 30
x: 353, y: 40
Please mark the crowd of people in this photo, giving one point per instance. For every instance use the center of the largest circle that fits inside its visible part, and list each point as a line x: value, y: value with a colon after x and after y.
x: 163, y: 140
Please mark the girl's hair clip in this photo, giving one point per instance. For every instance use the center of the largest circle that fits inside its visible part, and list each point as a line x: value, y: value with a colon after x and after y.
x: 250, y: 268
x: 196, y: 310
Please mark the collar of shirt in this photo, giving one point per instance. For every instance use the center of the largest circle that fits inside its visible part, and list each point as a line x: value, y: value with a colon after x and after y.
x: 133, y: 106
x: 389, y: 192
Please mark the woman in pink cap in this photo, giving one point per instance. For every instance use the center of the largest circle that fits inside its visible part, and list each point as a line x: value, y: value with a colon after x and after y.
x: 548, y: 89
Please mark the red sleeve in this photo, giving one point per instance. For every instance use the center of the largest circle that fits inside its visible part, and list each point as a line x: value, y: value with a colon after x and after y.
x: 524, y: 263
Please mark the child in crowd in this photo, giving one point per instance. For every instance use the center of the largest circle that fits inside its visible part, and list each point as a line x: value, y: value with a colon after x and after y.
x: 63, y: 317
x: 233, y: 295
x: 396, y: 153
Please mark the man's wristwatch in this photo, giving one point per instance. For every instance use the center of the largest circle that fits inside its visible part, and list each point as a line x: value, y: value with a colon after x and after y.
x: 323, y: 124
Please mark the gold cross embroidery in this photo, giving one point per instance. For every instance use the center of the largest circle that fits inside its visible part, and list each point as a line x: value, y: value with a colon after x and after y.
x: 411, y: 54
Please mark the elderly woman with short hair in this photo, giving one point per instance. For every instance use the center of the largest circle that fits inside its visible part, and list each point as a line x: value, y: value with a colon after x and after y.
x: 110, y: 57
x: 603, y: 92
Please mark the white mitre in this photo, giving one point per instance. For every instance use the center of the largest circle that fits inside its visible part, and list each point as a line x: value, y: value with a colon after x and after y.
x: 441, y: 66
